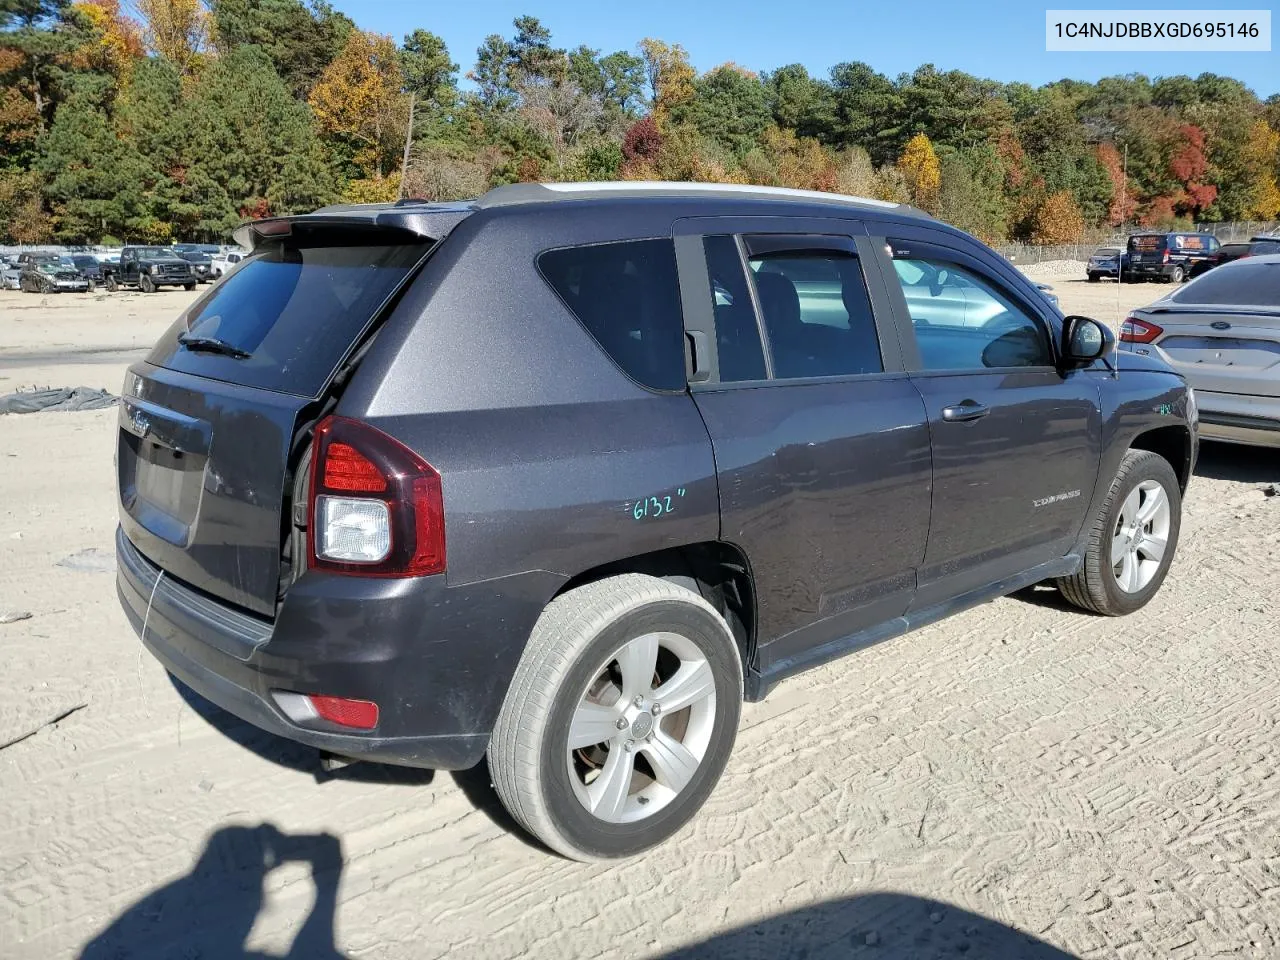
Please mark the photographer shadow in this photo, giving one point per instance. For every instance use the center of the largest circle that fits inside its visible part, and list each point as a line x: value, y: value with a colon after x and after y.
x: 211, y: 911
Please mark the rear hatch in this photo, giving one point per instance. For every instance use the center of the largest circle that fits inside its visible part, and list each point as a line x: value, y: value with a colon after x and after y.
x: 208, y: 421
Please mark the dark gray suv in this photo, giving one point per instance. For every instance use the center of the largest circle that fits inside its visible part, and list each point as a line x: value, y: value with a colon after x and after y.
x: 565, y: 474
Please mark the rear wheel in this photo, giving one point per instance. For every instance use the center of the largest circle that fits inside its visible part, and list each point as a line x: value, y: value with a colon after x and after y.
x: 620, y: 718
x: 1132, y: 540
x: 1177, y: 275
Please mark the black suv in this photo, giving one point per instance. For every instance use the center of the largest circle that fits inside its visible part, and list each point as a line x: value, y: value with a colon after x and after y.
x: 149, y: 269
x: 564, y: 474
x: 1171, y: 257
x: 200, y: 258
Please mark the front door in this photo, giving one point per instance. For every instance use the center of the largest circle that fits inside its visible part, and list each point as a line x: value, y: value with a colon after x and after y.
x: 820, y: 439
x: 1016, y: 442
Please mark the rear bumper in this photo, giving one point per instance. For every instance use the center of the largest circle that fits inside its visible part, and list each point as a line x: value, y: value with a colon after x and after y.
x: 1235, y: 418
x: 436, y: 707
x: 1151, y: 270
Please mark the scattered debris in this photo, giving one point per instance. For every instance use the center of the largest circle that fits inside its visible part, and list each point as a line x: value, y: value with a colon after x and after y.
x: 56, y: 398
x: 920, y: 829
x: 92, y: 560
x: 1271, y: 490
x: 205, y: 785
x: 48, y: 723
x: 13, y: 616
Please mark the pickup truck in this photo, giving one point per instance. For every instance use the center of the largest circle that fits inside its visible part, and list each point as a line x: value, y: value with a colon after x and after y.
x: 149, y: 269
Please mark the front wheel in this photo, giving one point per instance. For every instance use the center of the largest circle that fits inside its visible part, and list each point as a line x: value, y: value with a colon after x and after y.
x: 112, y: 286
x: 1132, y: 540
x: 620, y: 718
x: 91, y: 287
x: 1093, y: 278
x: 188, y: 286
x: 146, y: 283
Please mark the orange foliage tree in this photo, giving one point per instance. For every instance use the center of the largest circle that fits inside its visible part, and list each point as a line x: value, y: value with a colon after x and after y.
x: 1058, y: 220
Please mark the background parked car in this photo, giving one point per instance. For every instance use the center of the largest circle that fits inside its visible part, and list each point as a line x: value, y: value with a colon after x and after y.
x: 10, y: 273
x: 151, y: 268
x: 223, y: 262
x: 87, y: 266
x: 1168, y: 256
x: 200, y: 259
x: 51, y: 276
x: 1222, y: 332
x: 1107, y: 262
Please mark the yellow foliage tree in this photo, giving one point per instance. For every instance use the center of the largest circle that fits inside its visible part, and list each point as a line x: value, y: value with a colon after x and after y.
x: 359, y: 98
x: 1058, y: 220
x: 669, y: 74
x: 115, y: 41
x: 1262, y: 159
x: 177, y: 30
x: 922, y: 172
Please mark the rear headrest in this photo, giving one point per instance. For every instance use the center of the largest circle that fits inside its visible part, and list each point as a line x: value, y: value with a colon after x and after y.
x: 779, y: 300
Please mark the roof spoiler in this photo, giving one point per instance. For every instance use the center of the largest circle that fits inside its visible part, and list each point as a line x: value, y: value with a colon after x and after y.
x: 411, y: 221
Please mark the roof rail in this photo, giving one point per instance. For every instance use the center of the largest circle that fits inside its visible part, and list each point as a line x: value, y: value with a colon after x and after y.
x: 549, y: 192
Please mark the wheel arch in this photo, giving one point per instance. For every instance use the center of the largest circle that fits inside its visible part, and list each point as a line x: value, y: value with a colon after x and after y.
x: 718, y: 571
x: 1174, y: 444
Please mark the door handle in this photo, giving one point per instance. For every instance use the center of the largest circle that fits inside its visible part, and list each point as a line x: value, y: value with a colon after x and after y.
x: 964, y: 411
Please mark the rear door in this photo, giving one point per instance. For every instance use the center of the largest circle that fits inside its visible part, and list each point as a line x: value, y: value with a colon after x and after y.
x: 1016, y: 443
x: 821, y: 443
x: 207, y: 426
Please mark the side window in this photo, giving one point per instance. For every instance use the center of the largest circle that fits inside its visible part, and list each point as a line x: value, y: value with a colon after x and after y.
x: 962, y: 322
x: 817, y: 314
x: 627, y: 296
x: 737, y: 334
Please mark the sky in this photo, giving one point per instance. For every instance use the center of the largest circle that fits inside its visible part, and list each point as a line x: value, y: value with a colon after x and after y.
x: 998, y: 39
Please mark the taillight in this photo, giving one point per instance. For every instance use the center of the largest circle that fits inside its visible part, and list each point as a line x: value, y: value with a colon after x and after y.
x: 1165, y: 258
x: 376, y: 508
x: 1134, y: 330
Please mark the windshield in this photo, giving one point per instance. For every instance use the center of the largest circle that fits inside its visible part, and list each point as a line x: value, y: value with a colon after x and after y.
x: 156, y: 252
x: 87, y: 262
x: 1241, y: 282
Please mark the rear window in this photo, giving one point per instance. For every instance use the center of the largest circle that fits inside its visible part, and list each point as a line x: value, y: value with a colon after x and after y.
x: 1148, y: 242
x: 1242, y: 282
x: 1263, y: 247
x: 627, y: 296
x: 1106, y: 251
x: 295, y: 310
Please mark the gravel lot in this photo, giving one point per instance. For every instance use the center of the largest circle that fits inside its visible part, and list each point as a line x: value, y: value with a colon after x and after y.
x: 1107, y: 788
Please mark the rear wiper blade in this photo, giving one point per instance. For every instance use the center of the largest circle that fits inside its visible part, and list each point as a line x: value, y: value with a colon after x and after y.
x: 213, y: 345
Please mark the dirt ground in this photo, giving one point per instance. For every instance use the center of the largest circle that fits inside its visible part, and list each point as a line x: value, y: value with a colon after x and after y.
x: 1018, y: 781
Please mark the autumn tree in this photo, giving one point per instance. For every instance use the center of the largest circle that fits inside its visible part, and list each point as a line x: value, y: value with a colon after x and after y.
x: 1189, y: 166
x: 177, y: 30
x: 1058, y: 220
x: 921, y: 172
x: 1262, y: 163
x: 1123, y: 204
x: 668, y: 75
x: 359, y: 103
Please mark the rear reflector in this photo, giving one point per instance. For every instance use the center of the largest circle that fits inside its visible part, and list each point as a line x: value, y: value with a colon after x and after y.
x: 1134, y: 330
x: 357, y: 714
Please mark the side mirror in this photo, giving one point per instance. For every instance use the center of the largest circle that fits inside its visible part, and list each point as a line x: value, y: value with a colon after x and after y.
x: 1085, y: 340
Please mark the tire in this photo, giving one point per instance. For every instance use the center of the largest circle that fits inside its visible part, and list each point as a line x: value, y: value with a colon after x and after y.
x: 1177, y: 275
x: 1093, y: 278
x: 146, y: 284
x: 578, y: 647
x: 188, y: 286
x: 112, y: 286
x: 1097, y: 585
x: 92, y: 285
